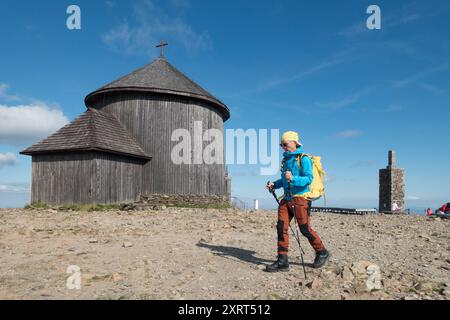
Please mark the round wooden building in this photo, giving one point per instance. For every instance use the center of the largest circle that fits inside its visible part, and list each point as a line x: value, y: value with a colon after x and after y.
x: 127, y: 143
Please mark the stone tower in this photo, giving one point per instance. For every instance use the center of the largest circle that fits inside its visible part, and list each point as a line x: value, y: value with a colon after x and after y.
x: 392, y: 186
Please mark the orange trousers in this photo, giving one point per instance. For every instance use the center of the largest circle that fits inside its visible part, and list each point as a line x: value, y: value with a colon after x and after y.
x: 299, y: 206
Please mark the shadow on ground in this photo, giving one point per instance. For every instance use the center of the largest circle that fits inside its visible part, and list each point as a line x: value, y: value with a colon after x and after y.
x: 246, y: 256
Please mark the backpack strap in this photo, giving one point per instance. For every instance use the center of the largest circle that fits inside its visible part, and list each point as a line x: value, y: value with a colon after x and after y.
x: 299, y: 159
x: 282, y: 164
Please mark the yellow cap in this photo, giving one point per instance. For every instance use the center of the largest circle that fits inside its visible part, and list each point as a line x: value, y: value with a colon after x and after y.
x: 290, y: 136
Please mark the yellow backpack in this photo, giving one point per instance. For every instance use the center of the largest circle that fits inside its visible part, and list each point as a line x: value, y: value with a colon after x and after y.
x: 316, y: 188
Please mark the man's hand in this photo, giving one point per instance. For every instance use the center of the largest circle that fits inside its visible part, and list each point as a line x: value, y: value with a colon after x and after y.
x: 270, y: 185
x: 288, y: 176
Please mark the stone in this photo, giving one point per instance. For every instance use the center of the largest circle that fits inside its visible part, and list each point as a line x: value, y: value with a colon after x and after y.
x: 327, y: 275
x: 93, y: 240
x: 347, y: 274
x: 116, y: 277
x: 424, y: 286
x: 261, y: 266
x: 127, y: 206
x: 367, y: 276
x: 374, y: 278
x: 315, y: 284
x: 446, y: 293
x: 206, y: 239
x: 127, y: 244
x: 140, y: 207
x: 180, y: 200
x: 360, y: 268
x: 274, y: 296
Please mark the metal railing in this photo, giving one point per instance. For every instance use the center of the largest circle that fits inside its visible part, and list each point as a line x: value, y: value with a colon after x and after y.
x: 343, y: 210
x: 238, y: 203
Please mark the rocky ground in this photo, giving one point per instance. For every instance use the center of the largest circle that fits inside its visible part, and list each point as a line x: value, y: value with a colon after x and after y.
x: 178, y: 253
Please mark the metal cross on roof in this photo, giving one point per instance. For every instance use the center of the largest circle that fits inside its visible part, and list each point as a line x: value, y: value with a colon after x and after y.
x: 161, y: 46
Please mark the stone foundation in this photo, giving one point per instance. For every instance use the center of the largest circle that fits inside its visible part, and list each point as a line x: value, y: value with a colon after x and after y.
x: 180, y: 200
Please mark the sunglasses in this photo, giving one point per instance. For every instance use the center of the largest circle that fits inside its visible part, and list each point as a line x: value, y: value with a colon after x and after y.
x: 284, y: 145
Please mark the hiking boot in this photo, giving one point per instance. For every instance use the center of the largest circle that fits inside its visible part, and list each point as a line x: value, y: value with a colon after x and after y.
x: 282, y: 264
x: 321, y: 259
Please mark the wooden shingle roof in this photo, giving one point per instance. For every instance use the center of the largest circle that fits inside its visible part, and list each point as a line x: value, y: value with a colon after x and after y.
x: 159, y: 77
x: 93, y: 130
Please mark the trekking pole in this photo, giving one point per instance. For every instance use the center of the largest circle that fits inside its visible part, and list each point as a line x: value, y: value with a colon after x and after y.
x: 302, y: 252
x: 293, y: 233
x: 293, y: 215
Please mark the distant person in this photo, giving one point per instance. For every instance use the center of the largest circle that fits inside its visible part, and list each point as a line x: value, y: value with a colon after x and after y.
x: 295, y: 183
x: 445, y: 208
x: 395, y: 207
x: 429, y: 212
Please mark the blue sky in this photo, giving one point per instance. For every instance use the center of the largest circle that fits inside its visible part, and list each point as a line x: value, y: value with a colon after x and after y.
x: 313, y: 67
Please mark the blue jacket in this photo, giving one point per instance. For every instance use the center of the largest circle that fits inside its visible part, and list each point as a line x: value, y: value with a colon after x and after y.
x: 300, y: 180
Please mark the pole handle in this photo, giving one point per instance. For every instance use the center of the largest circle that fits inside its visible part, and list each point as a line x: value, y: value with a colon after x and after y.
x: 273, y: 193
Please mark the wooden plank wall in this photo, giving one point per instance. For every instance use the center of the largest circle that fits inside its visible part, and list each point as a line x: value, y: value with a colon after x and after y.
x: 118, y: 178
x: 62, y: 178
x: 85, y: 177
x: 151, y: 119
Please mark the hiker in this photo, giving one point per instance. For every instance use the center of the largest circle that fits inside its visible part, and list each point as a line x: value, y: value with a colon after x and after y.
x: 395, y: 207
x: 429, y: 212
x: 445, y: 208
x: 295, y: 183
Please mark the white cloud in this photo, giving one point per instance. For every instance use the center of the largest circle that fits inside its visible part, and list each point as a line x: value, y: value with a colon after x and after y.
x: 394, y: 108
x: 7, y: 159
x: 421, y: 74
x: 333, y: 61
x: 15, y: 187
x: 412, y: 198
x: 433, y: 89
x: 110, y: 3
x: 4, y: 87
x: 26, y: 124
x: 150, y: 24
x: 355, y: 29
x: 275, y: 82
x: 346, y: 134
x: 180, y: 4
x: 346, y: 101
